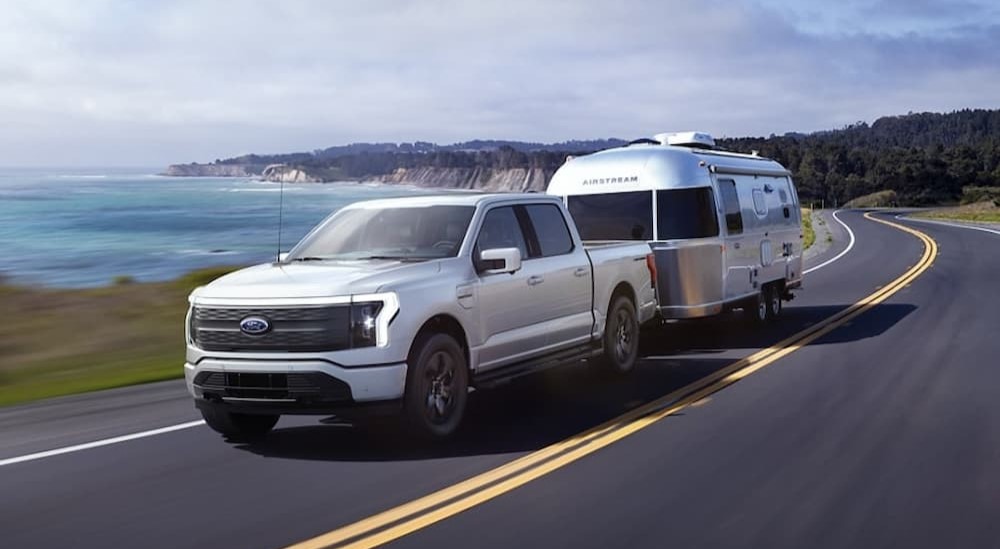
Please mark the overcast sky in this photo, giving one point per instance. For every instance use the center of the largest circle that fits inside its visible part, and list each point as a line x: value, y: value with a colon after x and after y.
x: 147, y: 83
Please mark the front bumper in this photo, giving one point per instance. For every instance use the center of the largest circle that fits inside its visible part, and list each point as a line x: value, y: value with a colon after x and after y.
x: 292, y: 386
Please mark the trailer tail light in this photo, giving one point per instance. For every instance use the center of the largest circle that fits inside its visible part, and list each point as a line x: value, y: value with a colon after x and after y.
x: 651, y: 265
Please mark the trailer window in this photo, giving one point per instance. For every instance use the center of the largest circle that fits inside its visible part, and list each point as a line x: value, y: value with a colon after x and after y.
x: 613, y: 216
x: 731, y: 205
x: 686, y: 213
x: 759, y: 202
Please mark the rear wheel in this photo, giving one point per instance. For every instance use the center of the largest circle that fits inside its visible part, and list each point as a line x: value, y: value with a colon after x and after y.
x: 238, y: 426
x: 621, y: 338
x: 437, y: 387
x: 773, y: 303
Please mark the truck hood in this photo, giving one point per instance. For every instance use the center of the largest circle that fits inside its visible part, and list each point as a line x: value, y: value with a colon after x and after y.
x: 314, y: 279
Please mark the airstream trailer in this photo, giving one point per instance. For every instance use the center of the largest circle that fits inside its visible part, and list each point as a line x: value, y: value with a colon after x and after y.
x: 725, y: 228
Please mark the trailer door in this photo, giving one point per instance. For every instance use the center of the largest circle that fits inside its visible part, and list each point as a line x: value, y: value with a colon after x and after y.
x: 738, y: 256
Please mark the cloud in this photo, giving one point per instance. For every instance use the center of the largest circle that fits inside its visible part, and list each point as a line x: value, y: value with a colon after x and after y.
x: 148, y: 83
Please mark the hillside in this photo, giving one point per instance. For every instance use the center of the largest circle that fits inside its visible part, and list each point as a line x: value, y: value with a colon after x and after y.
x: 925, y: 158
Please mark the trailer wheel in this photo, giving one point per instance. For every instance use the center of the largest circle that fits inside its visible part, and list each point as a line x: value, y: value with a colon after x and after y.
x: 773, y: 303
x: 437, y: 385
x: 238, y: 427
x: 621, y: 338
x: 755, y: 310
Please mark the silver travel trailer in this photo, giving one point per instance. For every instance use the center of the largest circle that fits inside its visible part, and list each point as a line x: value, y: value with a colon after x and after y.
x: 725, y: 228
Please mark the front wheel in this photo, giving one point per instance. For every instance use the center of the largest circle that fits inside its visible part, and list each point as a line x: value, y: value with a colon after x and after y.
x: 238, y: 426
x: 621, y: 338
x: 437, y: 387
x: 756, y: 308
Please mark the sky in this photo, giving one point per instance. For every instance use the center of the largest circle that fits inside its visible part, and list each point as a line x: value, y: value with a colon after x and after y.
x: 149, y: 83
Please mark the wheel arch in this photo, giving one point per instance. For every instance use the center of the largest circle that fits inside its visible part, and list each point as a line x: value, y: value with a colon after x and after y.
x: 441, y: 324
x: 622, y: 289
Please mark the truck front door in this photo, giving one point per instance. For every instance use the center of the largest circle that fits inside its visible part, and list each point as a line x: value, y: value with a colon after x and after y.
x: 509, y: 308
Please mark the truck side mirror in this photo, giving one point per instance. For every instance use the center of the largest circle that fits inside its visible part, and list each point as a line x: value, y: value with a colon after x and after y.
x: 499, y: 260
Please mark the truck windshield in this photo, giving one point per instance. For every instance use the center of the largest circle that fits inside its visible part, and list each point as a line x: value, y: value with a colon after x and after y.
x: 408, y: 233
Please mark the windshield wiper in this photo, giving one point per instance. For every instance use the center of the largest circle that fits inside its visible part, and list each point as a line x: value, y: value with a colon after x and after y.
x: 311, y: 258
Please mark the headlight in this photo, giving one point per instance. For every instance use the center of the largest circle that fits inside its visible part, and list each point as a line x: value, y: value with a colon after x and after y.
x: 188, y: 333
x: 364, y: 332
x: 370, y: 318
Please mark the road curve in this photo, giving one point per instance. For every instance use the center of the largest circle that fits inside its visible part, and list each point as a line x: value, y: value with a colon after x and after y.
x: 881, y: 432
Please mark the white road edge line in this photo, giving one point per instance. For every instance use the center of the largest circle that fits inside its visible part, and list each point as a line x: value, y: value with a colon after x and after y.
x: 850, y: 245
x: 99, y: 443
x: 188, y: 425
x: 906, y: 217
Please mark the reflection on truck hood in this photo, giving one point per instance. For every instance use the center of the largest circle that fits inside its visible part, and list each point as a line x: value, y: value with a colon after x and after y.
x: 315, y: 279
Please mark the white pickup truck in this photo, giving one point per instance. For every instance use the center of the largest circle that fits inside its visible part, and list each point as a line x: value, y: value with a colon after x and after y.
x: 401, y: 305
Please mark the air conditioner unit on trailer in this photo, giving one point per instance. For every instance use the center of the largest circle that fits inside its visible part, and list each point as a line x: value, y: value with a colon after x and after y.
x: 698, y: 140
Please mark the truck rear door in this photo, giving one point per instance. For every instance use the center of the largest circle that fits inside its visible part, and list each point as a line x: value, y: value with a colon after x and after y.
x: 568, y: 283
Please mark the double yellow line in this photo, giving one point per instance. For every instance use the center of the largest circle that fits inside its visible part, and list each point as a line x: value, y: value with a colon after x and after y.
x: 423, y: 512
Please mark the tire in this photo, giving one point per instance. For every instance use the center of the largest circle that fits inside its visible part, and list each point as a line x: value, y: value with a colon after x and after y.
x: 755, y: 310
x: 238, y: 426
x: 773, y: 303
x: 437, y: 387
x: 621, y: 339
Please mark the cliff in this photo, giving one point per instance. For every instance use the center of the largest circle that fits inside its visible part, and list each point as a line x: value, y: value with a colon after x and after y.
x: 214, y: 170
x: 475, y: 178
x: 297, y: 173
x: 289, y: 174
x: 478, y: 178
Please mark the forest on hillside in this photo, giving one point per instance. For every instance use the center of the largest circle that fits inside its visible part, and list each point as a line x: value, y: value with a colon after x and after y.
x: 926, y: 158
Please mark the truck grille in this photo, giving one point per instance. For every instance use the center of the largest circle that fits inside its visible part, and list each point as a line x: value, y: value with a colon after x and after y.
x: 311, y: 386
x: 312, y: 329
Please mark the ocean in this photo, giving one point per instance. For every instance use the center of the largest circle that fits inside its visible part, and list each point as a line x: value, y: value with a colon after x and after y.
x: 83, y: 228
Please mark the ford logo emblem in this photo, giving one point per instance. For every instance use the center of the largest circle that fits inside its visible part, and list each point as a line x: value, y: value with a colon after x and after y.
x: 255, y: 325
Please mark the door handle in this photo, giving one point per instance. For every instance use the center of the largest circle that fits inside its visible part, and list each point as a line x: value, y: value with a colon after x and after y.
x: 736, y: 245
x: 582, y: 271
x: 535, y: 280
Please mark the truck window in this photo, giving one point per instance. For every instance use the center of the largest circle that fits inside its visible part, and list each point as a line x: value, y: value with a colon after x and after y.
x: 550, y: 228
x: 501, y: 230
x: 613, y: 216
x: 686, y: 213
x: 731, y: 205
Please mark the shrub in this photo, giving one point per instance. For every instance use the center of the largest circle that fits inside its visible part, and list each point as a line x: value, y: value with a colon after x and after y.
x: 971, y: 195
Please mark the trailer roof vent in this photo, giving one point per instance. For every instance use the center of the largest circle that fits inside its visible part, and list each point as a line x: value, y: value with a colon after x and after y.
x: 697, y: 140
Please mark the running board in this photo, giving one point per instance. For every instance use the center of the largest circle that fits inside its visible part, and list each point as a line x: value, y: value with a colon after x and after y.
x: 505, y: 374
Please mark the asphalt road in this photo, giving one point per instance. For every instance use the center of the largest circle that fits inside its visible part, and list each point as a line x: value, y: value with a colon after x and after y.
x: 883, y: 432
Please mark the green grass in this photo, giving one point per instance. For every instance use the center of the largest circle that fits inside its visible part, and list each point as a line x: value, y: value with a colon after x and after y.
x: 985, y: 211
x: 60, y: 342
x: 807, y: 226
